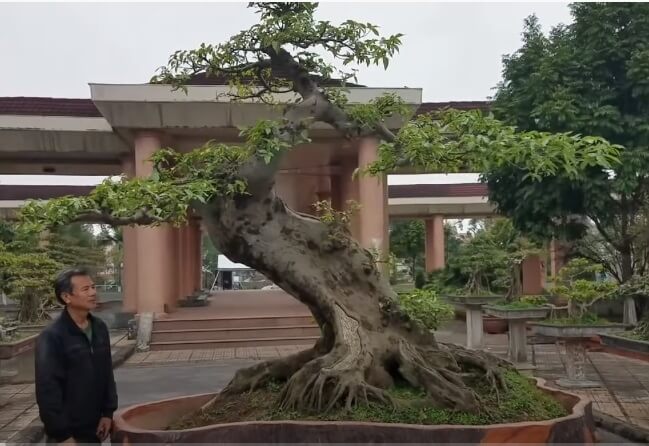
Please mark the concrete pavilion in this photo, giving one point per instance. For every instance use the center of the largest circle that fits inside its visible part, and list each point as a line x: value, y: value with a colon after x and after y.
x: 117, y: 130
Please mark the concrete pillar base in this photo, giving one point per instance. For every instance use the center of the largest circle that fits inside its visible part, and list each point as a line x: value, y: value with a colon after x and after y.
x: 144, y: 331
x: 474, y: 328
x: 575, y: 361
x: 517, y: 352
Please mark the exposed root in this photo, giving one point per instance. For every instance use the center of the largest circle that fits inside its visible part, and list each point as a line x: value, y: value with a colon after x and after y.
x: 491, y: 366
x: 447, y: 383
x: 322, y: 390
x: 337, y: 378
x: 444, y: 386
x: 281, y: 369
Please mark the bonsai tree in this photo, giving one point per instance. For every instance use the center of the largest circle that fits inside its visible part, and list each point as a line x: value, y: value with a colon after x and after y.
x: 368, y: 342
x: 28, y: 278
x: 492, y: 259
x: 576, y: 283
x: 515, y: 249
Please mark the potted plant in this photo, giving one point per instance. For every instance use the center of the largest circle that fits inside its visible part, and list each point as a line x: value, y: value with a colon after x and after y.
x: 637, y: 339
x: 515, y: 309
x: 478, y: 260
x: 576, y: 322
x: 27, y: 279
x: 372, y: 356
x: 577, y: 284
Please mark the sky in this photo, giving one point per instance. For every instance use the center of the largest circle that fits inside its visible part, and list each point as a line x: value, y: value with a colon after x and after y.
x: 453, y: 51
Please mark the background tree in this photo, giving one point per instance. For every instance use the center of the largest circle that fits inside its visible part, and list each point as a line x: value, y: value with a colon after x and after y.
x: 77, y: 246
x: 27, y: 274
x: 367, y: 341
x: 590, y: 77
x: 407, y: 242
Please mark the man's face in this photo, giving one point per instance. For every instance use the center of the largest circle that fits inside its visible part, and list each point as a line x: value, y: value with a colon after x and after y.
x: 84, y: 294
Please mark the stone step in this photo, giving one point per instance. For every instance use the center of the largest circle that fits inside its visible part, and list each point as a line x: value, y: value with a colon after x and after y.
x: 231, y: 322
x: 223, y: 334
x: 231, y: 343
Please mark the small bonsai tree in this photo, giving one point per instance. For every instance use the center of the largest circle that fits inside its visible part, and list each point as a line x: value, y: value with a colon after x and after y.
x: 479, y: 259
x: 28, y: 279
x: 576, y: 282
x: 368, y: 342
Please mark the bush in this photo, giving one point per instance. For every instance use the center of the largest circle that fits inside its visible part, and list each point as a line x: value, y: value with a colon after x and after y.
x: 420, y: 280
x: 425, y: 307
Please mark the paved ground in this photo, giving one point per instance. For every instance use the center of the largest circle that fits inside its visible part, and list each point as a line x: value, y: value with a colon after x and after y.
x: 245, y: 303
x: 624, y: 390
x: 153, y: 382
x: 209, y: 355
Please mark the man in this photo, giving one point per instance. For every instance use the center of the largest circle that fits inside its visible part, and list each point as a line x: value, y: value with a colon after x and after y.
x: 75, y: 386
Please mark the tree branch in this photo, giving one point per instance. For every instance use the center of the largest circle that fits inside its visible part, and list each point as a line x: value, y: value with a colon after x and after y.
x: 319, y: 107
x: 139, y: 218
x: 604, y: 233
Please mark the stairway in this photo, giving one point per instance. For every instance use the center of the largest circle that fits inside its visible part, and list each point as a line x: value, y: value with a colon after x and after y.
x: 191, y: 333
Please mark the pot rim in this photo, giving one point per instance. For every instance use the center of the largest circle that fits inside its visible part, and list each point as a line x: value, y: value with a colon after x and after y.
x: 578, y: 410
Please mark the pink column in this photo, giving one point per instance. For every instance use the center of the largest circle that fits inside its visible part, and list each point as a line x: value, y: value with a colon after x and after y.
x: 184, y: 286
x: 373, y: 197
x: 174, y: 294
x: 155, y: 266
x: 129, y: 270
x: 435, y: 244
x: 533, y: 270
x: 197, y: 233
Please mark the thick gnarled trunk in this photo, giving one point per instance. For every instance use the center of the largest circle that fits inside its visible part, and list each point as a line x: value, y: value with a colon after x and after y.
x: 366, y: 343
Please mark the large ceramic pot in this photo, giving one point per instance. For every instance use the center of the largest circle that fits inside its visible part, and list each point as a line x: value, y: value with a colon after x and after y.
x: 145, y: 423
x: 494, y: 325
x: 10, y: 349
x: 620, y: 342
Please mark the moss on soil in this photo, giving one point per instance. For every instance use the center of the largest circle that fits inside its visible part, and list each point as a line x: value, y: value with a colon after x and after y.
x: 587, y: 321
x: 516, y: 306
x: 633, y: 335
x: 521, y: 401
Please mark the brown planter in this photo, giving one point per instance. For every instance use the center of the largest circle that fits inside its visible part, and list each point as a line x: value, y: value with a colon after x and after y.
x: 145, y: 423
x: 494, y: 325
x: 10, y: 349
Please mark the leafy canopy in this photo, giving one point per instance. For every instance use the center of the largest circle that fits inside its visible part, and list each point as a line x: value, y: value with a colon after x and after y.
x: 589, y: 78
x: 283, y: 53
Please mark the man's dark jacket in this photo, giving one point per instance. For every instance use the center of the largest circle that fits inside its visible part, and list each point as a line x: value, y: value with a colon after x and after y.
x: 75, y: 385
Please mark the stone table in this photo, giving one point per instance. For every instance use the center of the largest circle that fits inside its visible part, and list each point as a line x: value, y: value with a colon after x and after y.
x: 574, y: 336
x: 517, y: 319
x: 473, y: 306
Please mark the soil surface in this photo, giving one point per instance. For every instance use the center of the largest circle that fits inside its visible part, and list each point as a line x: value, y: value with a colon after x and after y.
x: 521, y: 401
